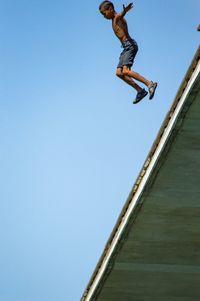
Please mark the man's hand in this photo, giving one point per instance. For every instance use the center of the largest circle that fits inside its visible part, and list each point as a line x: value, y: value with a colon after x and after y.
x: 127, y: 8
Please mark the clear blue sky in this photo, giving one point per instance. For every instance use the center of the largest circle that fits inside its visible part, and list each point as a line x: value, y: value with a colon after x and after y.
x: 72, y: 143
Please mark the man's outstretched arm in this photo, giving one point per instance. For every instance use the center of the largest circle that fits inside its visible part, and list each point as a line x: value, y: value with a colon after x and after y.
x: 125, y: 10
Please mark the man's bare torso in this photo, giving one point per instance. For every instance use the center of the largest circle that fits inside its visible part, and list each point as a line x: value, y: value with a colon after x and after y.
x: 120, y: 28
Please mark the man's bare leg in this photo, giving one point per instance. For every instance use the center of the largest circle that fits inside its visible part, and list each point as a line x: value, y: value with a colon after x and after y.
x: 141, y: 93
x: 128, y: 80
x: 127, y: 75
x: 126, y: 71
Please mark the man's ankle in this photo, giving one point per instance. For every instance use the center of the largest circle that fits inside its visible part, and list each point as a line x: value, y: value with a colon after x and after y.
x: 149, y: 83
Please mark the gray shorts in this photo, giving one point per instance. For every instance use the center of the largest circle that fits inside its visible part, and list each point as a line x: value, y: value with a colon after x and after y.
x: 128, y: 54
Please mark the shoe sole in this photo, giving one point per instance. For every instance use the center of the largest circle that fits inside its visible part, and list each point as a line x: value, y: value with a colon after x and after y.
x: 152, y: 94
x: 136, y: 101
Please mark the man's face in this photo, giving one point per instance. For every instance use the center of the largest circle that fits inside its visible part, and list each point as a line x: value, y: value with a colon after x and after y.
x: 107, y: 11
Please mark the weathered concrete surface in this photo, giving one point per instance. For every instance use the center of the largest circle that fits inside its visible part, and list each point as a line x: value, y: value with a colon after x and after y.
x: 158, y: 255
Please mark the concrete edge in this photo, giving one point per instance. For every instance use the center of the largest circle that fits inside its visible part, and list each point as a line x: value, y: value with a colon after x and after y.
x: 145, y: 172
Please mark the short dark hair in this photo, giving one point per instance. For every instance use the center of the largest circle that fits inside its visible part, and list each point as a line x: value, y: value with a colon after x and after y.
x: 107, y: 3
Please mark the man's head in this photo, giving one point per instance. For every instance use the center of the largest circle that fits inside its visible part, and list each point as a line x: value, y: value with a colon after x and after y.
x: 107, y: 9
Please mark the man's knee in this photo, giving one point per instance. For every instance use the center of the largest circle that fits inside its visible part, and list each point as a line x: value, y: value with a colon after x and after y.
x: 125, y: 71
x: 119, y: 73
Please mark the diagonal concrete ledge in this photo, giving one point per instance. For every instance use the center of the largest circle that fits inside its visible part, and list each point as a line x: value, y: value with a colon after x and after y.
x: 132, y: 205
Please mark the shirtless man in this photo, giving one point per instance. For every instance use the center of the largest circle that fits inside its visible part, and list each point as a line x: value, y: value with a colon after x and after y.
x: 130, y: 49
